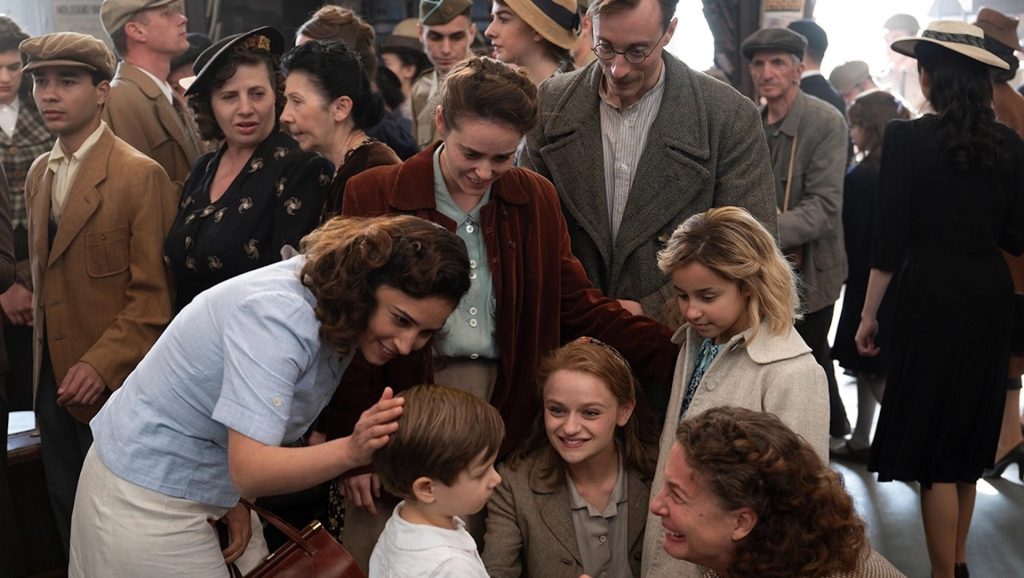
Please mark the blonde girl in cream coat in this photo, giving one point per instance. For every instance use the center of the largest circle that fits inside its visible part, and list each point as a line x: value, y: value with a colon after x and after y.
x: 737, y: 296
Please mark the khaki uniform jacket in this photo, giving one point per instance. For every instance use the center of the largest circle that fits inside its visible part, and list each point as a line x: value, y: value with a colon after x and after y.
x: 530, y: 530
x: 139, y: 114
x: 704, y: 150
x: 101, y: 289
x: 424, y: 103
x: 774, y: 374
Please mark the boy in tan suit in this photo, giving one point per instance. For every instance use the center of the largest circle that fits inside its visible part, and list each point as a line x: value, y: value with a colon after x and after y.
x: 98, y: 211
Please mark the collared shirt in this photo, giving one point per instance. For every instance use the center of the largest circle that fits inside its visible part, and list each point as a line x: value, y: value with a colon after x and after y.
x: 407, y: 550
x: 623, y: 137
x: 601, y: 535
x: 9, y: 116
x: 65, y: 169
x: 162, y: 84
x: 471, y: 330
x: 244, y: 356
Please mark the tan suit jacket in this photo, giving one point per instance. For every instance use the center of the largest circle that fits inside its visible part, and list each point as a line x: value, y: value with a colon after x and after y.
x: 101, y: 290
x: 530, y: 530
x: 140, y: 114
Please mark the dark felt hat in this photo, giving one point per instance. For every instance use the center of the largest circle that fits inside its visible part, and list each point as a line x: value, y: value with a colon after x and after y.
x: 68, y: 49
x: 774, y: 39
x: 999, y: 27
x: 264, y: 39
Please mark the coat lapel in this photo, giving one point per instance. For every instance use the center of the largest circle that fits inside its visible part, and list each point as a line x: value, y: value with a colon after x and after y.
x: 639, y: 491
x: 169, y: 118
x: 575, y: 156
x: 39, y: 219
x: 83, y: 198
x: 554, y: 509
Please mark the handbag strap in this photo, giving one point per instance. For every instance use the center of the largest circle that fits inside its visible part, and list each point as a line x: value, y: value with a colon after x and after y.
x: 789, y: 174
x: 285, y: 528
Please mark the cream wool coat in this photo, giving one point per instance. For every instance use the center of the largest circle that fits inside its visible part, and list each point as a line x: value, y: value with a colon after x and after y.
x: 771, y: 373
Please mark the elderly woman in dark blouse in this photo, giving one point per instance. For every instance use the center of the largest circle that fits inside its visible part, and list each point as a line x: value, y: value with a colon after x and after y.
x: 258, y: 192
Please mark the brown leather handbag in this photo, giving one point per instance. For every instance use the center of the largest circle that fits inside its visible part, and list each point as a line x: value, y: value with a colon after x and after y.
x: 313, y: 552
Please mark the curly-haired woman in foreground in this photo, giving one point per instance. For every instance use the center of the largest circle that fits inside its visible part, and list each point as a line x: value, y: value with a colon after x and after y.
x: 745, y: 496
x: 244, y: 368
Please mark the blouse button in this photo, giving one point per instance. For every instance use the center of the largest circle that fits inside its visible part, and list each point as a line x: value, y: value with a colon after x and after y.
x: 603, y: 539
x: 474, y: 356
x: 470, y: 228
x: 473, y: 323
x: 472, y: 264
x: 276, y: 401
x: 472, y: 275
x: 472, y: 310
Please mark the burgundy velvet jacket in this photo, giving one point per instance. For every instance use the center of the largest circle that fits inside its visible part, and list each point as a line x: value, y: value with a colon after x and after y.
x: 543, y: 296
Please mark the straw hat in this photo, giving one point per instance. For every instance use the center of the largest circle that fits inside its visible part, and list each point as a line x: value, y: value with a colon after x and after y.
x: 959, y: 37
x: 556, y: 20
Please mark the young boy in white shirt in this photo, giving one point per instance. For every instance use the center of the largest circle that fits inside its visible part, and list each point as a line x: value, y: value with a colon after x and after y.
x: 441, y: 463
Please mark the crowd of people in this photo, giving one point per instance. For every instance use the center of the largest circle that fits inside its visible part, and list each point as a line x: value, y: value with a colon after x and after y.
x: 557, y: 309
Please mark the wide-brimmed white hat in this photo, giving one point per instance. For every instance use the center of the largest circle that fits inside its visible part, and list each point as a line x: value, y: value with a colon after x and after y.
x: 959, y: 37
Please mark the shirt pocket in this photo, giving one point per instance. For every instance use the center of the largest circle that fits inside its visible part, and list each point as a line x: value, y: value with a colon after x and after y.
x: 106, y: 252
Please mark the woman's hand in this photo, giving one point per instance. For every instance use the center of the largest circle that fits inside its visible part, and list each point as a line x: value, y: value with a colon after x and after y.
x: 361, y: 490
x: 865, y: 337
x: 239, y: 523
x: 375, y: 427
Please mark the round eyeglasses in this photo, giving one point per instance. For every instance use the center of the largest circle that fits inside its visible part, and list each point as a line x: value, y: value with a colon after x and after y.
x: 636, y: 55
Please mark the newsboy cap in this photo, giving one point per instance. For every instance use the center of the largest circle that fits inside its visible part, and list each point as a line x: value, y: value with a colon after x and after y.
x: 437, y: 12
x: 115, y: 13
x: 816, y: 37
x: 780, y: 39
x: 849, y: 74
x: 68, y: 49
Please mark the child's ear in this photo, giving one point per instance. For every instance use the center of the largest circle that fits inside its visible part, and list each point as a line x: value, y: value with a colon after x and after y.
x: 423, y: 489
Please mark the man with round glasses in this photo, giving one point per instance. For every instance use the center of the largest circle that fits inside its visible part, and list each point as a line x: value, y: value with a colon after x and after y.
x: 636, y: 142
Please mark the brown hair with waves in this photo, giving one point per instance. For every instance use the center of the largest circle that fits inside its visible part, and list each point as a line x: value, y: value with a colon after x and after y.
x: 202, y: 102
x: 487, y: 89
x: 637, y: 440
x: 347, y: 259
x: 338, y: 23
x: 806, y: 522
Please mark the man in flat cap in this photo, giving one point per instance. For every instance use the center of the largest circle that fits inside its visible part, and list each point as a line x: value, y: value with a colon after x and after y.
x: 142, y: 110
x: 811, y: 80
x: 98, y: 212
x: 635, y: 143
x: 808, y: 140
x: 852, y: 79
x: 446, y: 31
x: 901, y: 79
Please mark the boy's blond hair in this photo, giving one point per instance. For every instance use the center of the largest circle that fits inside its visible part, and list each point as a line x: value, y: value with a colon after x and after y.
x: 441, y: 434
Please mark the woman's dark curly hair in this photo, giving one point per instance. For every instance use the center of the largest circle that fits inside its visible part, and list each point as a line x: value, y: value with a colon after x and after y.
x: 200, y: 103
x: 11, y: 36
x: 960, y: 91
x: 872, y: 112
x: 347, y: 259
x: 806, y: 523
x: 337, y: 71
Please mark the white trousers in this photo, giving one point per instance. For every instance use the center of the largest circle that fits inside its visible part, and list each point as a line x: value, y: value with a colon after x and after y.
x: 121, y: 529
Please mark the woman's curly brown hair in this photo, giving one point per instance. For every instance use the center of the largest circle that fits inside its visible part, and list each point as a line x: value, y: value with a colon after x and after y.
x: 347, y: 259
x: 806, y: 523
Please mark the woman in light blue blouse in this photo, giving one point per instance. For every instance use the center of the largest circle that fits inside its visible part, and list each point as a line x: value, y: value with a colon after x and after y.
x: 244, y: 368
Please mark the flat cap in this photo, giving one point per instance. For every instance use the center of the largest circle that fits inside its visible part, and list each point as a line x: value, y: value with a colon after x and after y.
x: 68, y: 49
x: 437, y: 12
x: 816, y: 37
x: 403, y: 37
x: 115, y: 13
x: 774, y: 39
x: 999, y: 27
x: 902, y: 22
x: 849, y: 74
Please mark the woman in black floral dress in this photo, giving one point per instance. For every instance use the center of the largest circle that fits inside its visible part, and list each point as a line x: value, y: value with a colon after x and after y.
x: 258, y: 193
